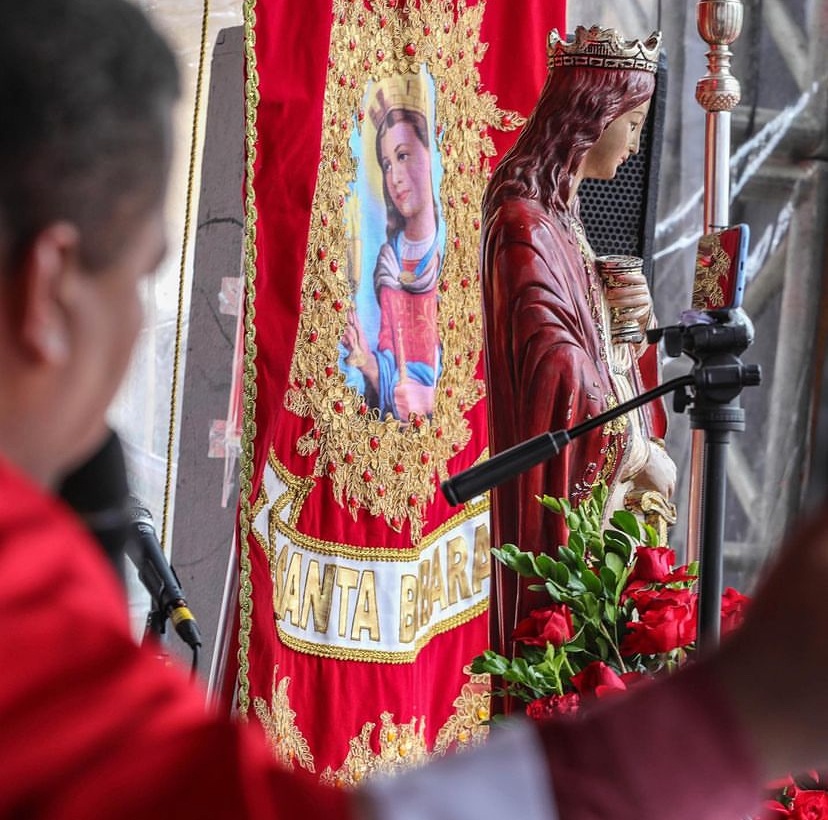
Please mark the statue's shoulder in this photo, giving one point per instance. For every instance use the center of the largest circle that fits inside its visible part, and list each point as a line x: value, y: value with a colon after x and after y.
x: 524, y: 221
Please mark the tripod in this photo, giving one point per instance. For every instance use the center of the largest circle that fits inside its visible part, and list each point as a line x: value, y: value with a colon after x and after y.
x: 714, y: 340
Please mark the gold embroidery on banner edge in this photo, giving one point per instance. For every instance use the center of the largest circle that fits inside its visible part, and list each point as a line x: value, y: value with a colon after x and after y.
x: 401, y: 746
x: 279, y: 722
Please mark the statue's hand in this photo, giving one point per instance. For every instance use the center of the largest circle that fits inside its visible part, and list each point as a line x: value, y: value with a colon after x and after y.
x: 658, y: 473
x: 630, y: 298
x: 355, y: 342
x: 412, y: 397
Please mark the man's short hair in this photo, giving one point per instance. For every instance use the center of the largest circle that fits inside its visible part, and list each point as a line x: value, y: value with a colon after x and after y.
x: 85, y: 93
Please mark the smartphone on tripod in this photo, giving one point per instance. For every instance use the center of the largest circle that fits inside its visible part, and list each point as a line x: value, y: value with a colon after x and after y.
x: 719, y: 282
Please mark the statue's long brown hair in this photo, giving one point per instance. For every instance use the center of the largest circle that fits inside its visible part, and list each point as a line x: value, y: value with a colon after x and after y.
x: 574, y: 108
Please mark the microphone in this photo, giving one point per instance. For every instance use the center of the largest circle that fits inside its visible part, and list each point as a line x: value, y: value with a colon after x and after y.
x: 97, y: 491
x: 157, y: 575
x: 503, y: 466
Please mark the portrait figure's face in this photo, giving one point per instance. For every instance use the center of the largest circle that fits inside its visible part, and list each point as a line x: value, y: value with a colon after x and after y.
x: 618, y: 141
x: 406, y: 168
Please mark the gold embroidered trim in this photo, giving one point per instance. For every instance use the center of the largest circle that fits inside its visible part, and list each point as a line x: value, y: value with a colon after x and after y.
x: 616, y: 426
x: 402, y: 746
x: 380, y: 656
x: 297, y: 494
x: 248, y: 436
x: 279, y: 722
x: 384, y: 465
x: 610, y: 461
x: 467, y: 726
x: 707, y: 292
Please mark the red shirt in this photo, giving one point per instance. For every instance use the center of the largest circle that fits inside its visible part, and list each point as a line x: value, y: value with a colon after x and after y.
x: 92, y: 726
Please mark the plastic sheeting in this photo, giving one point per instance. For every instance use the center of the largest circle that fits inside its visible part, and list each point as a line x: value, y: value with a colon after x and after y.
x: 141, y: 411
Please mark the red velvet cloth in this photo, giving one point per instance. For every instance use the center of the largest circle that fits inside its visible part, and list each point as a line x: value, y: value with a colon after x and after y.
x: 333, y: 699
x: 93, y: 727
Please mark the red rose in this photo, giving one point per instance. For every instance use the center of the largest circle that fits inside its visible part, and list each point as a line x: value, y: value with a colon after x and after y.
x: 551, y: 625
x: 734, y: 605
x: 599, y: 680
x: 809, y: 805
x: 654, y: 565
x: 667, y: 620
x: 554, y: 705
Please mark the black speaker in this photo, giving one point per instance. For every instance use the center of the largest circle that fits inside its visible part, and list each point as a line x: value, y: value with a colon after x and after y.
x: 620, y: 214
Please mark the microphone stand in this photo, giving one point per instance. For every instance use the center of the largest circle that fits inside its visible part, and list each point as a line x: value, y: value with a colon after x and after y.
x: 711, y: 389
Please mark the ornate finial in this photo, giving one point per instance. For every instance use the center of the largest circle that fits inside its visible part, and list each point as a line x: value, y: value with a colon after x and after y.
x: 603, y: 48
x: 719, y: 23
x: 402, y: 91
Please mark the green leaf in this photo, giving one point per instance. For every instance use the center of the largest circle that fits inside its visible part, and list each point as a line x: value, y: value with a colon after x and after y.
x: 596, y: 547
x: 551, y: 503
x: 610, y: 612
x: 625, y: 521
x: 573, y: 522
x: 545, y: 566
x: 561, y: 574
x: 555, y: 593
x: 576, y: 543
x: 651, y: 536
x: 490, y: 662
x: 600, y: 495
x: 603, y: 646
x: 568, y: 556
x: 592, y: 583
x: 609, y: 578
x: 591, y: 606
x: 618, y: 543
x: 622, y: 582
x: 614, y: 562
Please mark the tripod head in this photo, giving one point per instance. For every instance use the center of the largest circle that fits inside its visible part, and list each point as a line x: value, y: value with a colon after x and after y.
x: 714, y: 340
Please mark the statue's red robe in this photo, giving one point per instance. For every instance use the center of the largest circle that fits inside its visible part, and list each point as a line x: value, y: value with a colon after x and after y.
x: 545, y: 372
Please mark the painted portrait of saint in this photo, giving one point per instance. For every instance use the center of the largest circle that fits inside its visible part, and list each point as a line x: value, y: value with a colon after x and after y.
x: 390, y: 349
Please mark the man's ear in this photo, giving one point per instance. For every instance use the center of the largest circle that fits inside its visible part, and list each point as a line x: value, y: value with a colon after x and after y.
x: 45, y: 276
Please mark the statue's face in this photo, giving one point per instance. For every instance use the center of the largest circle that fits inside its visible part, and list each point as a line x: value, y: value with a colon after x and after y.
x: 619, y: 140
x: 407, y: 168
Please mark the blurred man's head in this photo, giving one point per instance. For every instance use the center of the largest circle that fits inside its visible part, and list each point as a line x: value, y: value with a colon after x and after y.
x: 86, y: 91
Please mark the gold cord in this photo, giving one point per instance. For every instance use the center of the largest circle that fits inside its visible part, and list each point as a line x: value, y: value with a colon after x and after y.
x: 251, y: 104
x: 182, y: 275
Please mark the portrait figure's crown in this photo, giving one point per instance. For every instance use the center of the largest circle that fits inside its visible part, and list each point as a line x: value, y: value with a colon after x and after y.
x: 605, y: 48
x: 402, y: 91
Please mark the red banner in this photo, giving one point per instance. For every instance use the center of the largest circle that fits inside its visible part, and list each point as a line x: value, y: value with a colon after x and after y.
x: 370, y: 129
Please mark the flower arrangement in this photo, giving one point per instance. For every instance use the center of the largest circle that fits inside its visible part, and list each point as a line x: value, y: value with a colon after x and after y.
x: 620, y: 611
x: 801, y: 798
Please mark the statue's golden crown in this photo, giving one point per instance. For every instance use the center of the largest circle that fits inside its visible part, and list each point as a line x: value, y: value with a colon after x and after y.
x: 406, y: 91
x: 605, y: 48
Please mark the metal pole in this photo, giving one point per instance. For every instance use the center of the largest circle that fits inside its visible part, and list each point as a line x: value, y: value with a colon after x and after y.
x: 719, y: 23
x: 710, y: 592
x: 217, y: 682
